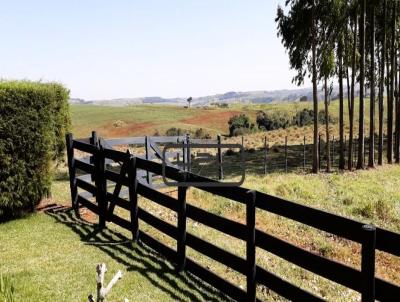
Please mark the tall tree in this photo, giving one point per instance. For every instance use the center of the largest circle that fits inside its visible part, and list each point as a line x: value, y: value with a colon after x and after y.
x: 341, y: 113
x: 314, y: 85
x: 371, y: 154
x: 352, y: 88
x: 392, y: 78
x: 382, y: 82
x: 300, y: 39
x: 360, y: 157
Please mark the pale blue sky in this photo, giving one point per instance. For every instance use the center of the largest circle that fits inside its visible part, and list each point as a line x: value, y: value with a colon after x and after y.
x: 130, y: 48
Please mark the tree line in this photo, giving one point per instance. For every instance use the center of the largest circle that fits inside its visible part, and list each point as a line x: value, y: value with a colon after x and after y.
x: 349, y: 42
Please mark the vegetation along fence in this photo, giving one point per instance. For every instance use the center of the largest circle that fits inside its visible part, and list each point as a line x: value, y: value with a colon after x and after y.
x: 371, y: 238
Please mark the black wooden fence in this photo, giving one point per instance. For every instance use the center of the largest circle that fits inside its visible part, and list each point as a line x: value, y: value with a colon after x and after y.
x: 370, y: 237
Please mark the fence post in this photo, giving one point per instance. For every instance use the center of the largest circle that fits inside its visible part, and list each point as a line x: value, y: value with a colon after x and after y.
x: 265, y: 154
x: 319, y: 150
x: 242, y: 142
x: 181, y: 238
x: 93, y: 140
x: 368, y: 263
x: 286, y: 160
x: 149, y: 176
x: 304, y: 153
x: 188, y: 151
x: 100, y: 183
x: 72, y: 173
x: 251, y: 245
x: 220, y: 169
x: 132, y: 177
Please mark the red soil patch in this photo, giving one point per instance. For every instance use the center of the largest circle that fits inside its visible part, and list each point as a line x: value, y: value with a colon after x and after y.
x: 214, y: 119
x: 129, y: 129
x: 50, y: 205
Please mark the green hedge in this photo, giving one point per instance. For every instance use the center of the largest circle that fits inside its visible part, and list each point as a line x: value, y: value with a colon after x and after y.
x: 34, y: 118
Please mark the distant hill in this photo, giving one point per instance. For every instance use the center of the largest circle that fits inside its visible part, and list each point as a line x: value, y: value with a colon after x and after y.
x: 248, y: 97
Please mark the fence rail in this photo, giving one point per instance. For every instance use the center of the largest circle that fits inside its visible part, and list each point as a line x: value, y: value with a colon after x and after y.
x: 370, y: 238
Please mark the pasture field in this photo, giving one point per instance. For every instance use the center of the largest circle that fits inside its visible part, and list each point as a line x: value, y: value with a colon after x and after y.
x: 45, y: 247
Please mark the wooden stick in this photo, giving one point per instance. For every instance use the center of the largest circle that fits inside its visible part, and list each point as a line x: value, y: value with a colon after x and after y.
x: 102, y: 291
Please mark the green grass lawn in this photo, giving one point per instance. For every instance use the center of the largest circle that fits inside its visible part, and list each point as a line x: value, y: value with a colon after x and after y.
x: 52, y: 257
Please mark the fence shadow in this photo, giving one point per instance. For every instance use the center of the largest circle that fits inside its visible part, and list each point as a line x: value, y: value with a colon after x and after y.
x: 139, y: 258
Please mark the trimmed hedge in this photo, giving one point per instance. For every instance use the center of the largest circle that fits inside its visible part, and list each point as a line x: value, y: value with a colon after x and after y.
x: 34, y: 118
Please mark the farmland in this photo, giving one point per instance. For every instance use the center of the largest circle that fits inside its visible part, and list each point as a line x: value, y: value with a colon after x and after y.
x: 371, y: 196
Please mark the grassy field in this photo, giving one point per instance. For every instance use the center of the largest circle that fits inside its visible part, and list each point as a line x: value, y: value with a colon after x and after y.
x: 43, y: 248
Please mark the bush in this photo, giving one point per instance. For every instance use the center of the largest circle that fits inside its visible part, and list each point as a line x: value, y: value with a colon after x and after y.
x: 33, y: 123
x: 242, y: 122
x: 201, y: 133
x: 175, y: 132
x: 321, y: 118
x: 272, y: 121
x: 304, y: 118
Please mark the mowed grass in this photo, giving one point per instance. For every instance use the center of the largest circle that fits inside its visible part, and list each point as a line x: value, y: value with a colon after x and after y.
x: 52, y: 257
x: 367, y: 196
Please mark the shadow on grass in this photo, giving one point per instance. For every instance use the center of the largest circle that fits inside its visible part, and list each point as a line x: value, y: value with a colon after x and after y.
x: 139, y: 258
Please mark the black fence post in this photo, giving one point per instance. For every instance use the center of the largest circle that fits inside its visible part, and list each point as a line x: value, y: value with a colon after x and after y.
x: 368, y: 263
x: 93, y: 140
x: 100, y: 182
x: 188, y: 151
x: 304, y: 153
x: 132, y: 177
x: 265, y: 154
x: 149, y: 175
x: 286, y: 159
x: 72, y: 173
x: 220, y: 169
x: 181, y: 238
x: 251, y: 245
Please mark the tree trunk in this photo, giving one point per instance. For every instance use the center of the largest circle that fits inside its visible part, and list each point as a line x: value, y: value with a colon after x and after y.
x: 327, y: 143
x: 397, y: 126
x: 315, y: 98
x: 391, y: 99
x: 351, y: 112
x: 371, y: 154
x: 341, y: 119
x: 382, y: 88
x: 360, y: 158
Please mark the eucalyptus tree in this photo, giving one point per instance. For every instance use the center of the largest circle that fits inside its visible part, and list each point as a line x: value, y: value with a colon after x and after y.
x: 353, y: 11
x: 340, y: 19
x: 382, y: 27
x: 360, y: 157
x: 392, y: 78
x: 371, y: 154
x: 298, y: 30
x: 328, y: 31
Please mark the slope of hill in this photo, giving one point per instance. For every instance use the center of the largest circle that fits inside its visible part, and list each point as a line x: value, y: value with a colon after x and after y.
x: 247, y: 97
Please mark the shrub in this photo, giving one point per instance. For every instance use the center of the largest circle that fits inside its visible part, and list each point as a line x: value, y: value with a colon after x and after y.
x: 272, y: 121
x: 303, y: 118
x: 241, y: 121
x: 175, y: 132
x: 33, y: 123
x: 321, y: 118
x: 201, y: 133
